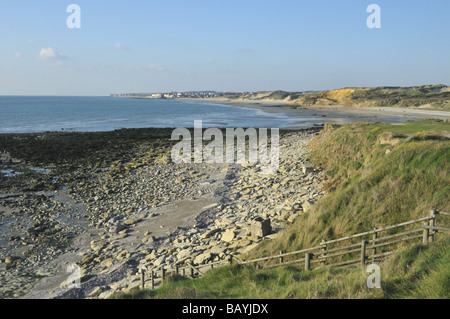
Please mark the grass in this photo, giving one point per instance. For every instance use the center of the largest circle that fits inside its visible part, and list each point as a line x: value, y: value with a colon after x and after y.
x: 414, y: 272
x: 378, y: 175
x: 404, y: 97
x: 434, y: 97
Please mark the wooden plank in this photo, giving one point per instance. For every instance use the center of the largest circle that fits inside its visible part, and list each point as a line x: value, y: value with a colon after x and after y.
x: 363, y: 252
x: 283, y: 255
x: 324, y: 251
x: 397, y: 241
x: 426, y: 234
x: 418, y: 230
x: 380, y: 230
x: 308, y: 261
x: 374, y: 238
x: 142, y: 279
x: 338, y: 249
x: 347, y: 252
x: 437, y: 228
x: 152, y: 279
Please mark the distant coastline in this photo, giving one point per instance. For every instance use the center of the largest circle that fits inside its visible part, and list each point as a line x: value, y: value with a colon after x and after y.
x: 317, y: 114
x: 429, y: 97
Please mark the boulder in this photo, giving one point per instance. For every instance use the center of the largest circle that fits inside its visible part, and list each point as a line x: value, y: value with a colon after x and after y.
x: 228, y: 236
x: 307, y: 205
x: 260, y: 227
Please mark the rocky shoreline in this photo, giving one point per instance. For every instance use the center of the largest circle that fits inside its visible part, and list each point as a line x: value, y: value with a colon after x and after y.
x: 144, y: 211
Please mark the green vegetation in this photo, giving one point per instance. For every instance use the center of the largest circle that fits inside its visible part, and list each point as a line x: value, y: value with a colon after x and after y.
x: 430, y: 96
x: 379, y: 174
x: 427, y: 96
x: 282, y: 95
x: 414, y: 272
x: 269, y: 95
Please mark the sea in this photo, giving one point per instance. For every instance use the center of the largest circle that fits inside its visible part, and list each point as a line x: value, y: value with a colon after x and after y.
x: 31, y: 114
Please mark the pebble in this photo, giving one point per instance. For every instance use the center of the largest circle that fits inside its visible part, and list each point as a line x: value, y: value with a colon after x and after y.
x: 254, y: 205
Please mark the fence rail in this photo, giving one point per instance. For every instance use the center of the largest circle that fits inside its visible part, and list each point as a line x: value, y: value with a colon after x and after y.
x: 336, y: 252
x: 375, y: 249
x: 191, y: 271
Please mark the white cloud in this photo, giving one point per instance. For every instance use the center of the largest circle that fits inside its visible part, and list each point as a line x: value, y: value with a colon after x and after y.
x: 31, y: 41
x: 210, y: 60
x: 18, y: 54
x: 50, y: 54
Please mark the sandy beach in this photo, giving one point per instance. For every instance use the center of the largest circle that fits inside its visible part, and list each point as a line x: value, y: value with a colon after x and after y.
x: 307, y: 115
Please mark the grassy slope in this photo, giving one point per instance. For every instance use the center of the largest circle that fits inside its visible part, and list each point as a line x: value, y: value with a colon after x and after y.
x: 379, y: 174
x: 426, y: 96
x: 434, y: 97
x: 414, y: 272
x: 368, y: 188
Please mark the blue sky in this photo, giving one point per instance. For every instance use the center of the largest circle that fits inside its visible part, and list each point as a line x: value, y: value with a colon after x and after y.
x: 232, y: 45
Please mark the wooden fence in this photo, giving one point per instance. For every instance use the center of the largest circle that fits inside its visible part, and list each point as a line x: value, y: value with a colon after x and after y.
x: 359, y: 249
x: 157, y: 277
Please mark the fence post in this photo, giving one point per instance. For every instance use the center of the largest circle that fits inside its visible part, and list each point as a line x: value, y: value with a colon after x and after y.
x: 374, y: 249
x: 324, y: 248
x: 152, y: 279
x: 192, y: 271
x: 426, y: 233
x: 177, y: 269
x: 163, y: 274
x: 308, y: 261
x: 281, y: 258
x: 363, y: 252
x: 432, y: 222
x: 231, y: 260
x: 142, y: 278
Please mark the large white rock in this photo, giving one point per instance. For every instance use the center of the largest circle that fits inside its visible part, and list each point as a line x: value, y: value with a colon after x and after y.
x: 261, y: 228
x: 228, y: 236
